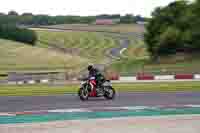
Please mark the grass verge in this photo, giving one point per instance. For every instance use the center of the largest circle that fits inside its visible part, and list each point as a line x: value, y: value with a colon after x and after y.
x: 36, y: 90
x: 40, y: 90
x: 160, y: 87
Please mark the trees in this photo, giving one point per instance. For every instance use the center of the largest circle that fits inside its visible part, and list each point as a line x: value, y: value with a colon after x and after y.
x: 42, y: 19
x: 170, y: 29
x: 140, y: 18
x: 9, y: 29
x: 26, y: 19
x: 127, y: 19
x: 11, y: 32
x: 13, y: 13
x: 169, y: 41
x: 194, y: 19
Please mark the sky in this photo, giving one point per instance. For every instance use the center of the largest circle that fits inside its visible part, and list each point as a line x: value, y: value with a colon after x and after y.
x: 83, y: 7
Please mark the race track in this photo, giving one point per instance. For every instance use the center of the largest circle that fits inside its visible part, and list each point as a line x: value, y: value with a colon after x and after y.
x: 17, y: 104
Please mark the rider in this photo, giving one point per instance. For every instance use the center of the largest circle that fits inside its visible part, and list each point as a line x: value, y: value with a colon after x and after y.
x: 93, y: 72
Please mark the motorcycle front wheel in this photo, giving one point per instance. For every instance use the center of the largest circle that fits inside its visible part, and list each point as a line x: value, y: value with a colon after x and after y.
x: 110, y: 93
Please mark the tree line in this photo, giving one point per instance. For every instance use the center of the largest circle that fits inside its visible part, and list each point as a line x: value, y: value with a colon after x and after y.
x: 12, y: 32
x: 31, y: 19
x: 11, y: 23
x: 9, y: 29
x: 174, y: 28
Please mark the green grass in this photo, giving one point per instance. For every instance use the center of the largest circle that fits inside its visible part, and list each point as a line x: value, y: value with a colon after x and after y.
x: 90, y: 45
x: 81, y: 48
x: 136, y: 50
x: 136, y: 60
x: 184, y: 67
x: 2, y: 78
x: 160, y: 87
x: 16, y: 56
x: 134, y: 66
x: 88, y: 42
x: 36, y: 90
x: 127, y: 66
x: 133, y: 59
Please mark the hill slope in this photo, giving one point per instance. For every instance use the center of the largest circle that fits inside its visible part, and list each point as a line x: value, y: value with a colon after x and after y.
x: 19, y: 56
x: 89, y: 45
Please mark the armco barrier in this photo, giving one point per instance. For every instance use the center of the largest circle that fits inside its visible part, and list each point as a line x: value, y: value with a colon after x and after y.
x: 145, y: 77
x: 21, y: 82
x: 44, y: 81
x: 127, y: 78
x: 123, y: 79
x: 184, y: 76
x: 113, y: 77
x: 197, y: 76
x: 116, y: 77
x: 31, y: 82
x: 164, y: 77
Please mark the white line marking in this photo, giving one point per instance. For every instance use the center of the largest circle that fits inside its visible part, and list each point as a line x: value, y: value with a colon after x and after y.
x: 7, y: 114
x: 127, y: 78
x: 136, y: 107
x: 68, y: 110
x: 164, y: 77
x: 31, y: 82
x: 44, y: 81
x: 105, y: 108
x: 122, y: 50
x: 193, y: 106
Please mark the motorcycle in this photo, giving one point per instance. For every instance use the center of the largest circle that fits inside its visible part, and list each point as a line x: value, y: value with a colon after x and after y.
x: 89, y: 89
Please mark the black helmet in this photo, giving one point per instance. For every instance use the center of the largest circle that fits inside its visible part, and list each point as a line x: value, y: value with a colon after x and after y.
x: 90, y: 67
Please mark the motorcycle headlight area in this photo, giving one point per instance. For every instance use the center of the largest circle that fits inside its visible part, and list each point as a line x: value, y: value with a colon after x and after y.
x: 82, y: 82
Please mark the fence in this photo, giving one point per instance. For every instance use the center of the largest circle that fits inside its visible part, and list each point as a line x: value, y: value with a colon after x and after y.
x: 32, y: 78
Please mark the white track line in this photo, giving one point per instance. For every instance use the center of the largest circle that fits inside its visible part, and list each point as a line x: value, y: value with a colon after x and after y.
x: 122, y: 51
x: 7, y: 114
x: 68, y: 110
x: 104, y: 108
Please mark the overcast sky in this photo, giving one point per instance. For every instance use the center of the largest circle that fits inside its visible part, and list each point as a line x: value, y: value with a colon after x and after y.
x: 82, y: 7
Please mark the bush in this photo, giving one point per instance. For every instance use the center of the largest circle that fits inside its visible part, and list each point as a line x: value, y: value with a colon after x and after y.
x: 169, y: 30
x: 170, y: 41
x: 11, y: 32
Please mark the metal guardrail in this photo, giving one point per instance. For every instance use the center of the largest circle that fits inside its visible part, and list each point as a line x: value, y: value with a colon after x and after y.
x: 15, y: 77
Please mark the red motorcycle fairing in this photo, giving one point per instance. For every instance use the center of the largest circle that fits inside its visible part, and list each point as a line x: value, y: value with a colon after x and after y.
x: 93, y: 93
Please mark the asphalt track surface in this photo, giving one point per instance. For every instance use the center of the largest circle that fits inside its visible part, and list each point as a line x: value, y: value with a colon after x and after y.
x: 71, y: 101
x: 115, y: 52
